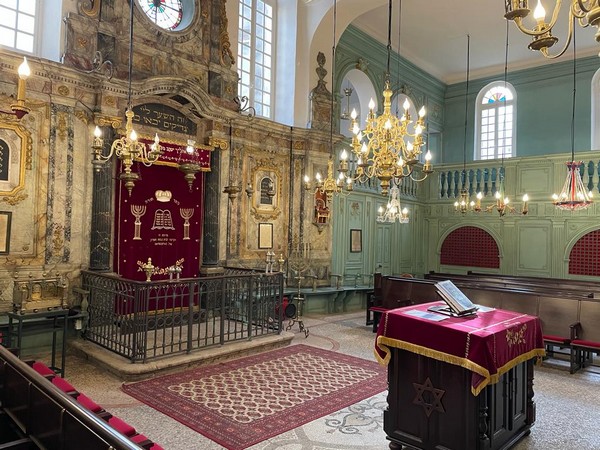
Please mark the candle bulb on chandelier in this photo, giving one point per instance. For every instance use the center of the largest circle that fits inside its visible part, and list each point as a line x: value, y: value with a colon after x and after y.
x: 155, y: 146
x: 98, y: 142
x: 525, y: 209
x: 343, y: 161
x: 539, y: 14
x: 428, y: 167
x: 478, y: 197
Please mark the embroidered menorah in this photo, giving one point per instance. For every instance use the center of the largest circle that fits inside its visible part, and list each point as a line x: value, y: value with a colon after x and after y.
x: 186, y: 215
x: 138, y: 211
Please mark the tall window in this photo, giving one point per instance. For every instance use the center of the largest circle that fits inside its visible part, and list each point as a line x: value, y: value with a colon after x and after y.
x: 496, y: 115
x: 18, y: 24
x: 255, y: 55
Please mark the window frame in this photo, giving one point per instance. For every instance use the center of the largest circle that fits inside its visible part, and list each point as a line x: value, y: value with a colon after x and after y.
x: 250, y: 90
x: 37, y: 28
x: 480, y: 108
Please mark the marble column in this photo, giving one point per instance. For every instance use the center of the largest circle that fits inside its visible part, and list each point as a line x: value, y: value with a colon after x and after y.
x: 102, y: 215
x: 210, y: 226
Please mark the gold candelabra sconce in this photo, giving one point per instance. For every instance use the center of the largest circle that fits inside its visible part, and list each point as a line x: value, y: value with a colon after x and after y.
x: 190, y: 169
x: 583, y: 12
x: 330, y: 185
x: 127, y: 149
x: 502, y: 203
x: 19, y: 109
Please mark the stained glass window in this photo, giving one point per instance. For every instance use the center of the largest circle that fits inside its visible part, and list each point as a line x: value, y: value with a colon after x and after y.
x: 165, y: 14
x: 255, y: 54
x: 17, y: 24
x: 496, y: 121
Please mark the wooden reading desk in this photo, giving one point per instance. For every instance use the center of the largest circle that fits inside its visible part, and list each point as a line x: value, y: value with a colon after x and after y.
x: 461, y: 382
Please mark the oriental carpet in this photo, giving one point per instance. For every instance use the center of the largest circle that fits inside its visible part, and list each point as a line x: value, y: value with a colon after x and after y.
x: 248, y: 400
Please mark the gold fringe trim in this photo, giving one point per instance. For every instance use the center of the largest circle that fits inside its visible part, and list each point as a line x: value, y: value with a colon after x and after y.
x: 384, y: 343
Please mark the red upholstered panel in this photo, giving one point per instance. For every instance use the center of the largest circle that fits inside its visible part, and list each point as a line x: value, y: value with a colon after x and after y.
x: 63, y: 385
x: 585, y: 255
x: 139, y: 438
x: 42, y: 369
x: 156, y: 447
x: 88, y: 403
x: 470, y: 246
x: 557, y: 339
x: 121, y: 426
x: 584, y: 343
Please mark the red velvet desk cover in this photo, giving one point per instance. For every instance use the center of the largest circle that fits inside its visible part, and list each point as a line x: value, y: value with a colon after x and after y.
x: 488, y: 344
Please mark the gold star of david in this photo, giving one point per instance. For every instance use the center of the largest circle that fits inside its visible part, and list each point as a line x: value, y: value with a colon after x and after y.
x: 434, y: 394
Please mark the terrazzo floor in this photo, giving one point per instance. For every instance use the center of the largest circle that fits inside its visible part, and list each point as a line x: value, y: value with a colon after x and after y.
x: 568, y: 411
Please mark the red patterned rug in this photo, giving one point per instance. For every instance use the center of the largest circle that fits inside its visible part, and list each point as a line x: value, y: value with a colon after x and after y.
x: 242, y: 402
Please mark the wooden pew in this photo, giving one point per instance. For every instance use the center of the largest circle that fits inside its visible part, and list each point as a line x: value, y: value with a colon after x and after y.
x: 585, y: 335
x: 589, y: 288
x: 557, y: 309
x: 47, y: 416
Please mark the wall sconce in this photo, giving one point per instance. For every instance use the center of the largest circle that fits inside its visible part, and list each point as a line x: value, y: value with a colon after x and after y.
x: 128, y: 149
x: 19, y: 109
x: 189, y: 169
x: 249, y: 190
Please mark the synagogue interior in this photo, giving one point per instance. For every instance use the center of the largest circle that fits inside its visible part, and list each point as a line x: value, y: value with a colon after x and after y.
x: 187, y: 184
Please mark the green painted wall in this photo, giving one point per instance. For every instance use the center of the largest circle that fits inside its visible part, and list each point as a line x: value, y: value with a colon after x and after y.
x: 537, y: 244
x: 544, y: 109
x: 544, y: 99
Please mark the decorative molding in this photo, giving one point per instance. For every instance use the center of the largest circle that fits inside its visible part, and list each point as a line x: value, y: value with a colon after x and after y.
x: 226, y: 55
x: 93, y: 9
x: 217, y: 143
x: 83, y: 116
x: 15, y: 199
x: 63, y: 90
x: 108, y: 121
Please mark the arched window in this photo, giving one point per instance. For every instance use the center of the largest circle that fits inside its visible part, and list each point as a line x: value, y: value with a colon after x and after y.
x: 256, y: 54
x: 267, y: 191
x: 32, y: 27
x: 495, y: 121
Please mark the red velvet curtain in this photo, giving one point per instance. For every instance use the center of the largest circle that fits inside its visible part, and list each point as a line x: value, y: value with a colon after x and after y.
x: 161, y: 220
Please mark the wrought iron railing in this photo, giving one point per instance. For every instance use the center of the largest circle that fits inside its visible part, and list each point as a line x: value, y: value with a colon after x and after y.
x: 146, y: 320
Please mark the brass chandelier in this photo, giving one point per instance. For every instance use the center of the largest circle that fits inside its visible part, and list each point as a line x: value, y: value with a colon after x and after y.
x: 127, y: 148
x: 383, y: 149
x: 585, y: 12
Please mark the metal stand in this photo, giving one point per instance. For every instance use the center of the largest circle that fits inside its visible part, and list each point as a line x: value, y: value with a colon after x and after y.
x: 299, y: 298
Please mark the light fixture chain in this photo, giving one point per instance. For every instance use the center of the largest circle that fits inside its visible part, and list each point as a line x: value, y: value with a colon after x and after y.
x: 464, y: 174
x: 130, y: 68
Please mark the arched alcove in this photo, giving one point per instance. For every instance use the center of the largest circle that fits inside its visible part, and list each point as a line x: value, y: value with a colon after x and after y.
x: 470, y: 246
x: 583, y: 257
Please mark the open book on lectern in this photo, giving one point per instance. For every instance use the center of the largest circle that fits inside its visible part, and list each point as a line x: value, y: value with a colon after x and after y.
x: 458, y: 303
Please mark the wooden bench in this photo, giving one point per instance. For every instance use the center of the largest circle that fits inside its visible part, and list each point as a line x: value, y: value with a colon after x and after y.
x: 585, y: 335
x: 558, y: 309
x: 555, y: 305
x: 46, y: 414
